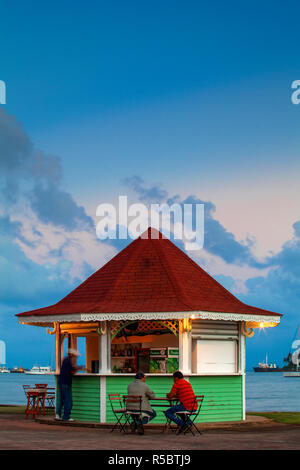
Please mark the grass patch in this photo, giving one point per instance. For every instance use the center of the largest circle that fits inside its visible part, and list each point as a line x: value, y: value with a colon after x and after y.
x: 285, y: 417
x: 18, y: 410
x: 15, y: 410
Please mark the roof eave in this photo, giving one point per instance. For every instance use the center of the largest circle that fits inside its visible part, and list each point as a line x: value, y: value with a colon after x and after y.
x: 45, y: 320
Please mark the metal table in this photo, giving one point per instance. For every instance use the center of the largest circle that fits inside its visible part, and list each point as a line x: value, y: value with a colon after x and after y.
x: 165, y: 403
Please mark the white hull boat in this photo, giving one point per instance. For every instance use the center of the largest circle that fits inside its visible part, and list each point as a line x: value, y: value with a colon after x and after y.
x: 36, y: 370
x: 292, y: 373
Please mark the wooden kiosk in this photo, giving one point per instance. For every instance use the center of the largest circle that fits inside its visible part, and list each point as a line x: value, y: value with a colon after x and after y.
x: 152, y: 308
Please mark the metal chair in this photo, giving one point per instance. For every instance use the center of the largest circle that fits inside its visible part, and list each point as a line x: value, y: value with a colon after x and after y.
x: 169, y: 425
x: 115, y: 401
x: 32, y: 407
x: 133, y: 410
x: 30, y: 400
x: 25, y: 388
x: 192, y: 415
x: 50, y: 397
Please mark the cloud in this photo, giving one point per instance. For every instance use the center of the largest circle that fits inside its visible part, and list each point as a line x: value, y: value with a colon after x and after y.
x: 48, y: 242
x: 280, y: 289
x: 217, y: 241
x: 29, y: 174
x: 154, y: 194
x: 55, y: 206
x: 8, y: 228
x: 23, y: 282
x: 273, y: 284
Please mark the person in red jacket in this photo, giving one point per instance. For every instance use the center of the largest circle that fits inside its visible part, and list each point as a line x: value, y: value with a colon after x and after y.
x: 182, y: 390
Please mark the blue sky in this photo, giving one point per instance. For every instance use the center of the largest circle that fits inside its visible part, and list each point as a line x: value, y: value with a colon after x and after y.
x: 193, y: 99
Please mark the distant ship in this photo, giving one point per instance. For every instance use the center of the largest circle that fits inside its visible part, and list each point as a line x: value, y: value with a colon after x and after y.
x: 4, y: 370
x: 294, y: 357
x: 292, y: 367
x: 17, y: 370
x: 266, y: 367
x: 36, y: 370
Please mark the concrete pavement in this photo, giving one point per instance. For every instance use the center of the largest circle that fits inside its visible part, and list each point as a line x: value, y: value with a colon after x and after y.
x: 18, y: 433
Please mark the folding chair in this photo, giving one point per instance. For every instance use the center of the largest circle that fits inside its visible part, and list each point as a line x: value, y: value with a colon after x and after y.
x: 169, y: 425
x: 50, y: 397
x: 30, y: 399
x: 133, y: 410
x: 25, y: 388
x: 115, y: 401
x: 32, y: 407
x: 192, y: 415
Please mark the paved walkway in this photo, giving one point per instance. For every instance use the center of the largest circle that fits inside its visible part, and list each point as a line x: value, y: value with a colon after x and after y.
x: 18, y: 433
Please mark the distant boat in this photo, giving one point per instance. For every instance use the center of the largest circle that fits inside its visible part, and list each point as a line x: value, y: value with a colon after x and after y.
x: 4, y: 370
x: 294, y: 357
x: 266, y: 367
x: 290, y: 369
x: 17, y: 370
x: 36, y: 370
x: 292, y: 373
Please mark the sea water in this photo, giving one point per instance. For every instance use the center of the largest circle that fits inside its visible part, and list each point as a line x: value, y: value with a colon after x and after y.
x: 11, y: 386
x: 265, y: 391
x: 271, y: 391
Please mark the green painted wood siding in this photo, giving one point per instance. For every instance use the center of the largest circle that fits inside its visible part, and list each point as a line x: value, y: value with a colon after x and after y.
x: 160, y: 385
x: 86, y: 399
x: 223, y: 396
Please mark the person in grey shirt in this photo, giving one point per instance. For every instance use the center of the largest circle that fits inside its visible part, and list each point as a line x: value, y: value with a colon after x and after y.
x: 139, y: 387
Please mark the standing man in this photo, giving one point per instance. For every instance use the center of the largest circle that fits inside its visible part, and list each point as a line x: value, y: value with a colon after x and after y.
x: 182, y: 390
x: 139, y: 387
x: 67, y: 370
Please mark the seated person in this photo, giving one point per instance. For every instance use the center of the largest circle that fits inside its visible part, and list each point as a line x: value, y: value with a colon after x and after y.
x: 182, y: 390
x: 139, y: 387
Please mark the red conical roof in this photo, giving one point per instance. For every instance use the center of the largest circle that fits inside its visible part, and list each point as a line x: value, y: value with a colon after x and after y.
x: 149, y: 275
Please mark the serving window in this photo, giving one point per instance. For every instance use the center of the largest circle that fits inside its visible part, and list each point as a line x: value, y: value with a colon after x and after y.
x: 150, y: 346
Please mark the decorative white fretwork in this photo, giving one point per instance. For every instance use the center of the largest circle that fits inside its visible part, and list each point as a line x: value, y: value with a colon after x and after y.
x: 47, y: 320
x: 144, y: 325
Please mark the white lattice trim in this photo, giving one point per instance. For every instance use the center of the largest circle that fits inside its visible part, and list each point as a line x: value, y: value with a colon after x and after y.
x: 87, y: 317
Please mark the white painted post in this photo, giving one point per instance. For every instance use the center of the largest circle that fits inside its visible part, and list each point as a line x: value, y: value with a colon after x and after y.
x: 242, y: 367
x: 57, y: 351
x: 104, y: 365
x: 108, y: 346
x: 103, y: 348
x: 185, y: 348
x: 102, y: 399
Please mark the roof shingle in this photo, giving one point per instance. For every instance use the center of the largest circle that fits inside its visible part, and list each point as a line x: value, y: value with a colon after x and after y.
x: 149, y: 275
